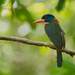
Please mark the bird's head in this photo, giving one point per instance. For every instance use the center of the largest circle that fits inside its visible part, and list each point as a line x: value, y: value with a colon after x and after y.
x: 48, y: 18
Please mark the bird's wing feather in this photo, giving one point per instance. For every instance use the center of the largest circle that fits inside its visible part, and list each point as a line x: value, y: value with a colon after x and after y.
x: 56, y: 35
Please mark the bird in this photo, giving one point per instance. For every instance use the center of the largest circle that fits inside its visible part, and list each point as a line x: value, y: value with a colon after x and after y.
x: 54, y: 33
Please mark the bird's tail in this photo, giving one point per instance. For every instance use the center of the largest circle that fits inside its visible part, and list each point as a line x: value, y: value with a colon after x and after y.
x: 59, y: 58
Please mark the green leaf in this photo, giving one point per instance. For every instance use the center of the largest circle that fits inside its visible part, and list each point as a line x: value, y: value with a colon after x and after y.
x: 60, y: 5
x: 1, y: 2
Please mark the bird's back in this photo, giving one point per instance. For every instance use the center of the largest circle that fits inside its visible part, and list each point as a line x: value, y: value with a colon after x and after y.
x: 56, y: 35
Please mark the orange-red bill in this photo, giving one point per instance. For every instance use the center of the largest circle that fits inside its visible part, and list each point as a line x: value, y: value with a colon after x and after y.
x: 39, y: 21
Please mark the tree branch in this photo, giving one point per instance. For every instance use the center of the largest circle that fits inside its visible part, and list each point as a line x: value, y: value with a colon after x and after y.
x: 36, y: 43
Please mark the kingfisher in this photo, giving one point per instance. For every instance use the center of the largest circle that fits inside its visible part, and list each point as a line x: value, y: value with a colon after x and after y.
x: 54, y: 33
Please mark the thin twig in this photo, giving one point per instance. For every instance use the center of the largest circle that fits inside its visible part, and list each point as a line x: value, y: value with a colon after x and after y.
x: 36, y: 43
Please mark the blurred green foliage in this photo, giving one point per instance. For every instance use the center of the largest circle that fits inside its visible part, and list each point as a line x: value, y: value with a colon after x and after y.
x: 17, y: 18
x: 1, y: 2
x: 60, y: 5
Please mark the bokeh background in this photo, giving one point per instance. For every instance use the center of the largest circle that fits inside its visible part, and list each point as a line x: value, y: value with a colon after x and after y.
x: 16, y: 19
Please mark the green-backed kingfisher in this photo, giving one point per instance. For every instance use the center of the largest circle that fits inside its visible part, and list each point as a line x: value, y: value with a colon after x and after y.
x: 54, y: 33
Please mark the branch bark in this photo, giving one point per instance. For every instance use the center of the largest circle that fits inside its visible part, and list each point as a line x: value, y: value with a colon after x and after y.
x: 36, y: 43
